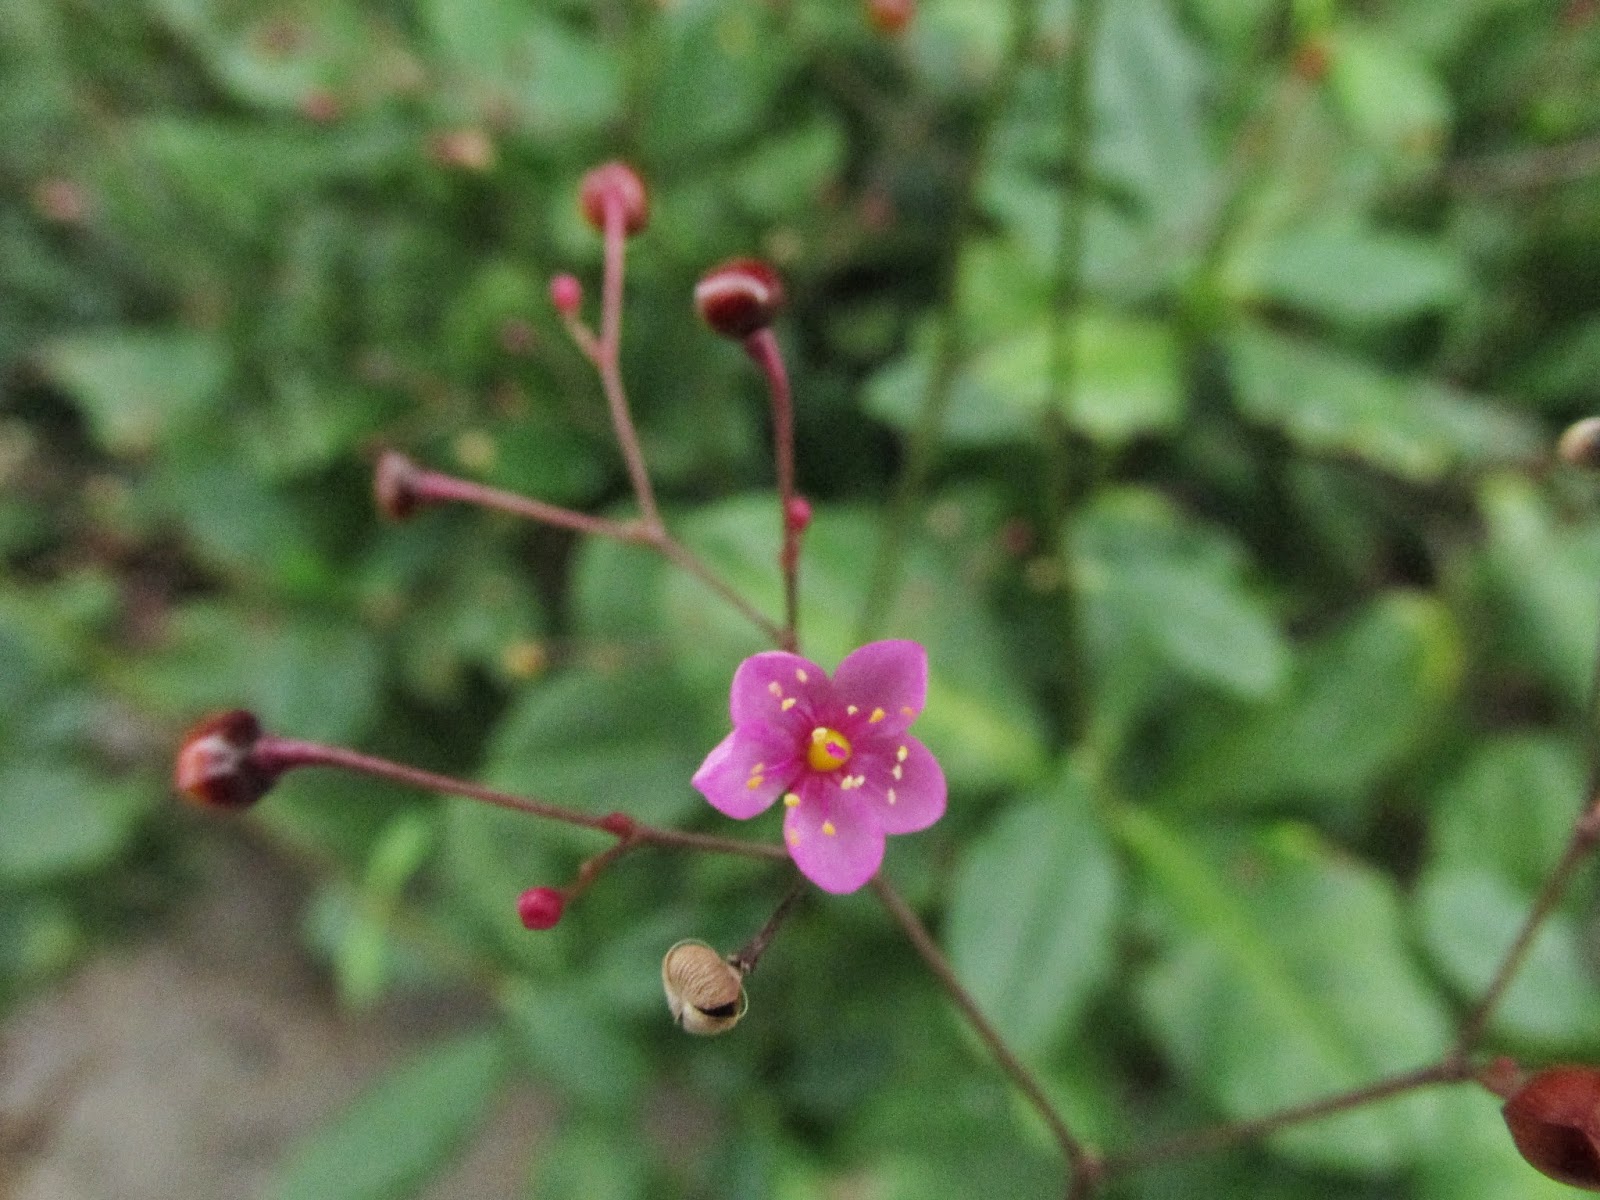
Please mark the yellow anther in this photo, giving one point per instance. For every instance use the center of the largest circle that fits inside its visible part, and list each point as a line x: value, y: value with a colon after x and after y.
x: 851, y: 710
x: 794, y: 837
x: 907, y: 710
x: 754, y: 782
x: 787, y: 704
x: 877, y: 715
x: 901, y: 754
x: 829, y: 749
x: 774, y: 688
x: 898, y: 771
x: 801, y: 675
x: 790, y: 800
x: 828, y: 829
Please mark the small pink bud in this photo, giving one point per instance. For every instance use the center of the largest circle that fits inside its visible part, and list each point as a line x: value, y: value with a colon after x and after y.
x: 540, y: 907
x: 215, y: 766
x: 615, y: 183
x: 620, y: 824
x: 891, y: 16
x: 739, y: 297
x: 797, y: 514
x: 566, y: 293
x: 394, y: 485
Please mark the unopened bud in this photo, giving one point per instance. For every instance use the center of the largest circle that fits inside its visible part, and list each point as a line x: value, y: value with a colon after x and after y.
x: 540, y: 907
x: 890, y: 16
x: 566, y: 293
x: 739, y: 297
x: 215, y: 765
x: 619, y: 823
x: 797, y: 514
x: 1554, y: 1119
x: 1580, y: 443
x: 615, y: 183
x: 394, y: 485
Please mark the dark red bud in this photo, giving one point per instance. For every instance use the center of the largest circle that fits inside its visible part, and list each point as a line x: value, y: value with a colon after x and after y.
x: 394, y: 485
x: 739, y: 297
x: 620, y: 824
x: 615, y: 183
x: 566, y: 293
x: 1554, y: 1119
x: 890, y: 16
x: 215, y: 765
x: 797, y: 514
x: 540, y: 907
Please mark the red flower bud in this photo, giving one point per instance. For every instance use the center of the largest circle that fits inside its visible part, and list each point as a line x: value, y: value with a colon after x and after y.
x: 394, y: 485
x: 540, y: 907
x: 620, y: 824
x: 739, y: 297
x: 1554, y: 1119
x: 797, y: 514
x: 615, y: 183
x: 566, y: 293
x: 891, y: 16
x: 215, y: 766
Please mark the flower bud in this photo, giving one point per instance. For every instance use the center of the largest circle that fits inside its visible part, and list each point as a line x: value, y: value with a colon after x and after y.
x: 215, y: 766
x: 705, y: 992
x: 1554, y: 1119
x: 394, y: 485
x: 797, y: 514
x: 615, y: 183
x: 890, y: 16
x: 1580, y: 443
x: 540, y: 907
x: 620, y: 824
x: 566, y: 293
x: 739, y: 297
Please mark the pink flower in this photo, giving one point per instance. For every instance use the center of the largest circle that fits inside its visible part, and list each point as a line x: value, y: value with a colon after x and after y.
x: 836, y: 750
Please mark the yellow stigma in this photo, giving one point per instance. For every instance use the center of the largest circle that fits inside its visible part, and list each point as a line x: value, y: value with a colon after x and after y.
x: 829, y: 749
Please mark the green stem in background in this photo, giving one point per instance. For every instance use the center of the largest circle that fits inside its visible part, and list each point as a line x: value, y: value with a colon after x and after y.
x: 1082, y: 1163
x: 923, y: 443
x: 1065, y: 453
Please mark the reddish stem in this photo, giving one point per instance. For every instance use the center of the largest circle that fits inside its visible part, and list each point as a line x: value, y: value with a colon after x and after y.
x: 606, y: 356
x: 436, y: 487
x: 762, y: 347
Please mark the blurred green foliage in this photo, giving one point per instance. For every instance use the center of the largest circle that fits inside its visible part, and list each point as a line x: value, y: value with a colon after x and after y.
x: 1262, y: 730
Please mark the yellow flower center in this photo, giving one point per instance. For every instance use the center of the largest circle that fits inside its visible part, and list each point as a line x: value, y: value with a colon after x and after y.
x: 829, y: 749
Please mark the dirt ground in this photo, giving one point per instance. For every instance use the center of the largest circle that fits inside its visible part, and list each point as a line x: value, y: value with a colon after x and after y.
x: 183, y: 1067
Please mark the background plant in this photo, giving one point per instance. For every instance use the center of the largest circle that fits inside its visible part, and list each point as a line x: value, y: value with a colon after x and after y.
x: 1187, y: 393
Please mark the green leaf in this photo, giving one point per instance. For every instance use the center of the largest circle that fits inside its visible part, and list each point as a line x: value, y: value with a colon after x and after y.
x: 1470, y: 916
x: 1329, y: 402
x: 1358, y: 701
x: 403, y: 1129
x: 591, y: 1162
x: 571, y: 1041
x: 1546, y: 574
x: 714, y: 70
x: 1389, y: 95
x: 1284, y: 976
x: 139, y: 388
x: 603, y: 739
x: 1032, y: 910
x: 1173, y: 589
x: 1346, y: 272
x: 1472, y: 1157
x: 59, y: 818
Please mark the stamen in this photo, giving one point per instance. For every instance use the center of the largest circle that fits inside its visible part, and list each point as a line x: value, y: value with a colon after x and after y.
x: 787, y: 704
x: 890, y: 796
x: 828, y: 829
x: 774, y: 688
x: 801, y: 675
x: 791, y: 800
x: 877, y: 715
x: 898, y: 771
x: 754, y: 782
x: 902, y: 754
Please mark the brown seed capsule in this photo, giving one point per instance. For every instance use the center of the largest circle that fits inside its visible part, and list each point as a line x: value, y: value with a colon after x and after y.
x: 704, y: 991
x: 1554, y: 1119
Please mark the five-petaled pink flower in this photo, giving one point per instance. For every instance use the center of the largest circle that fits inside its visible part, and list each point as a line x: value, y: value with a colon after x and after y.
x: 836, y: 750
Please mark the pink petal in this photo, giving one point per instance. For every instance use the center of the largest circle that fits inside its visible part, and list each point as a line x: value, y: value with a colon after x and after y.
x: 909, y: 801
x: 747, y: 771
x: 891, y: 677
x: 780, y: 691
x: 832, y: 838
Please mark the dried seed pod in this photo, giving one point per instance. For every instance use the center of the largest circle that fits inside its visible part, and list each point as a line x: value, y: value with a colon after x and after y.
x: 704, y: 991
